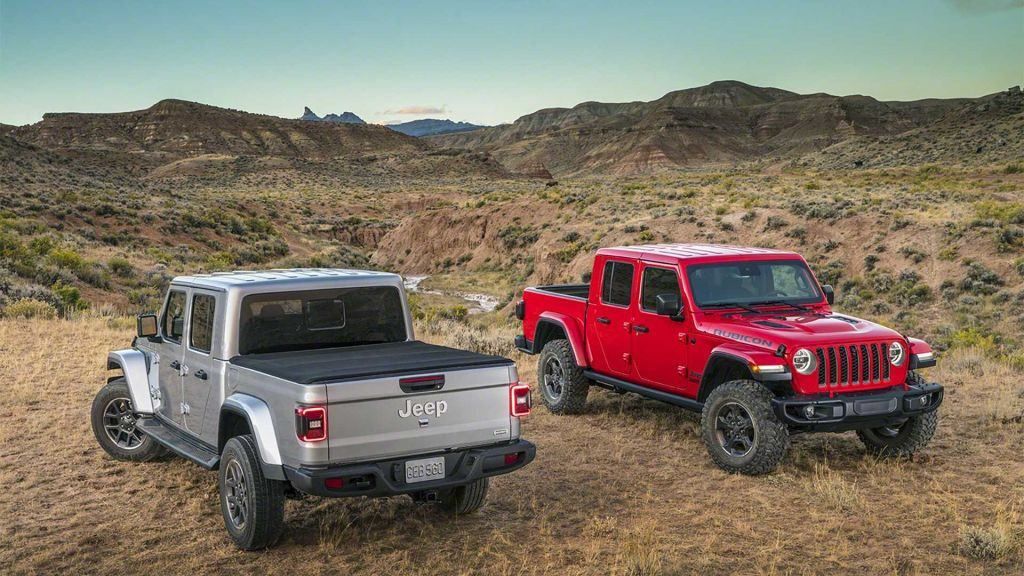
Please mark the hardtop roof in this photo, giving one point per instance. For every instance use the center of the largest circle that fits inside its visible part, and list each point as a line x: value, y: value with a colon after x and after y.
x: 280, y: 277
x: 694, y: 252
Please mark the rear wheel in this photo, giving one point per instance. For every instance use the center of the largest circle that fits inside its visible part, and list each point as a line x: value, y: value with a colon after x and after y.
x: 252, y: 504
x: 740, y: 429
x: 465, y: 499
x: 114, y: 425
x: 563, y: 387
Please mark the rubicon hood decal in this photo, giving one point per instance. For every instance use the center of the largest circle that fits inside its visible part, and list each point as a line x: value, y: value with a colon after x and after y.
x: 755, y: 340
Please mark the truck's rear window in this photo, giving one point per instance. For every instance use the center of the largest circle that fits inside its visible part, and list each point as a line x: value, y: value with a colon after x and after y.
x: 283, y: 321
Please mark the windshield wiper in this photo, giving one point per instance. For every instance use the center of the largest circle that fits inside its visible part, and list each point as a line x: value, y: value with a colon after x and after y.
x: 780, y: 303
x: 732, y: 305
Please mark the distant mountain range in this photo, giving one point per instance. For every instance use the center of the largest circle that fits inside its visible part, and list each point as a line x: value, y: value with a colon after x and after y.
x: 417, y: 128
x: 728, y: 122
x: 433, y: 127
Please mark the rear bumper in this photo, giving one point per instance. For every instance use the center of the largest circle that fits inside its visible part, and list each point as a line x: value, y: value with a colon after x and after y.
x: 387, y: 478
x: 524, y: 345
x: 857, y: 411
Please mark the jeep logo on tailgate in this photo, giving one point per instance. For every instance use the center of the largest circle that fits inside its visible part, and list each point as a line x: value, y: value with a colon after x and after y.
x: 418, y: 409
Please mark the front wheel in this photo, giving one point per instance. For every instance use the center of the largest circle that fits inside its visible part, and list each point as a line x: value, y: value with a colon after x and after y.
x: 901, y: 440
x: 252, y: 504
x: 114, y: 425
x: 740, y: 429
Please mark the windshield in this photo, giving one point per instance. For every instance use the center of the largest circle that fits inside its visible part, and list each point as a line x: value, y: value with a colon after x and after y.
x: 751, y: 283
x: 281, y: 321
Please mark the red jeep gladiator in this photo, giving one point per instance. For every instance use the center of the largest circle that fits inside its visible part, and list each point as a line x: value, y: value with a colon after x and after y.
x: 746, y: 336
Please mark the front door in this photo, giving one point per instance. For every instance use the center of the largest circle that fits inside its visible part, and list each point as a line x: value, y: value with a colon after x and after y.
x: 610, y: 318
x: 198, y: 367
x: 659, y: 342
x: 172, y: 328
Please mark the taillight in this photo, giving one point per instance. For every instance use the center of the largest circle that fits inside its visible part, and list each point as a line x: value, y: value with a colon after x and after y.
x: 521, y: 309
x: 521, y: 399
x: 311, y: 423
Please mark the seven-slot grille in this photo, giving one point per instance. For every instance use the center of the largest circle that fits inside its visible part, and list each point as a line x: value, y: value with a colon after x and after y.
x: 852, y: 364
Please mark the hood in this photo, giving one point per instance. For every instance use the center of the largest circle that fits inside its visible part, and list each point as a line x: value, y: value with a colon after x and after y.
x: 772, y: 329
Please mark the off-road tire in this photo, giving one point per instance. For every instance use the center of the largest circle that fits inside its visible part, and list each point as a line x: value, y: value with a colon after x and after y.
x: 263, y: 498
x: 465, y: 499
x: 770, y: 436
x: 912, y: 435
x: 117, y: 390
x: 574, y: 385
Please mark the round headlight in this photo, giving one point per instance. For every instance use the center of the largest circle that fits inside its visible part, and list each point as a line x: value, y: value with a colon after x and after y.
x: 804, y: 362
x: 896, y: 354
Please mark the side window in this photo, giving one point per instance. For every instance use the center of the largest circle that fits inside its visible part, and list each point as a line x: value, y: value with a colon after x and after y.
x: 174, y: 316
x: 617, y: 283
x: 201, y: 330
x: 657, y: 281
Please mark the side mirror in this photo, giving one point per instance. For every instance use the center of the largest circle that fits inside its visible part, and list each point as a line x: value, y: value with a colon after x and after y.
x: 669, y: 305
x: 830, y: 294
x: 177, y: 328
x: 146, y: 325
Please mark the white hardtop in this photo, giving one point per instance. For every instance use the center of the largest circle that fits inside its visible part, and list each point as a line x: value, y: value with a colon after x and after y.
x: 285, y: 279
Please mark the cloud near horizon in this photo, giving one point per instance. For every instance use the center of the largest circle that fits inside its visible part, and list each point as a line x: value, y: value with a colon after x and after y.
x: 416, y: 110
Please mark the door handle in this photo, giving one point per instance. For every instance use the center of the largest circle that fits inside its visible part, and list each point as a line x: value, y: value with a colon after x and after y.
x: 641, y: 329
x: 175, y: 365
x: 201, y: 374
x: 603, y: 320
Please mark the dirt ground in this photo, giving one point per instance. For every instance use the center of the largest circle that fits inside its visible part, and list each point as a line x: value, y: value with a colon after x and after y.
x: 626, y: 488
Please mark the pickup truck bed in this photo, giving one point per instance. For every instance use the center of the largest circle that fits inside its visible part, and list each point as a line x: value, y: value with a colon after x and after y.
x: 359, y: 362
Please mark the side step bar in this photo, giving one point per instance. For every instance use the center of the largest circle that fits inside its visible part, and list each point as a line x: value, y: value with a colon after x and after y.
x: 622, y: 385
x: 180, y: 443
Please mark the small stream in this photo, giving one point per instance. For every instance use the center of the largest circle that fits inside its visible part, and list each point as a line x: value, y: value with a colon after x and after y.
x: 477, y: 303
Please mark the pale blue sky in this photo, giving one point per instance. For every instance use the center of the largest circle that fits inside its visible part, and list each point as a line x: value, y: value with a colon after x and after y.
x: 489, y: 61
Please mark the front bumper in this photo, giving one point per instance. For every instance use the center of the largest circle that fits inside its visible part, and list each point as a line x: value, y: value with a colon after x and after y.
x: 857, y: 410
x: 387, y: 478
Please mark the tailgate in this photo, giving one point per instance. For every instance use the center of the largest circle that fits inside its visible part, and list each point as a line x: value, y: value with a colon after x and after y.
x: 375, y: 418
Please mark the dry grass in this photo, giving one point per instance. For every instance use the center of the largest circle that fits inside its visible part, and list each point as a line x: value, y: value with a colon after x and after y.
x: 624, y: 489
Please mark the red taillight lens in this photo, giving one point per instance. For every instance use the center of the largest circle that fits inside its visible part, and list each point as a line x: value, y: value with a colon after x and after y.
x: 512, y: 458
x: 521, y: 401
x: 311, y: 423
x: 334, y: 483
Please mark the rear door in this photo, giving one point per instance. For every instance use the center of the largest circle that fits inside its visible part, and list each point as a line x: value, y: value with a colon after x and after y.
x: 659, y: 343
x: 198, y: 367
x: 172, y: 327
x: 418, y: 413
x: 610, y: 316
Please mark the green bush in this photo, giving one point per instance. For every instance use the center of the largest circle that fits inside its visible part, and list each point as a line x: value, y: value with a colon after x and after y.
x: 29, y: 308
x: 121, y: 267
x: 65, y: 258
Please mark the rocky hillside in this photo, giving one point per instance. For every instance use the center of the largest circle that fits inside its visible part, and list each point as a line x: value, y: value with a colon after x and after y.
x: 723, y: 123
x: 433, y: 127
x: 343, y: 118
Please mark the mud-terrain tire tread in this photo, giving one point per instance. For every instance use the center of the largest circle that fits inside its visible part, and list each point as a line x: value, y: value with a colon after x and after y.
x: 576, y: 385
x: 915, y: 435
x: 467, y: 498
x: 266, y: 523
x: 772, y: 434
x: 150, y: 449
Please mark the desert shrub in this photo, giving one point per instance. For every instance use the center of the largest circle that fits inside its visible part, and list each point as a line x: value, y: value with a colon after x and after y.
x: 972, y: 337
x: 260, y: 251
x: 775, y: 223
x: 1016, y: 168
x: 986, y: 543
x: 980, y: 280
x: 900, y: 222
x: 69, y: 299
x: 645, y: 236
x: 29, y: 308
x: 571, y: 237
x: 748, y: 216
x: 65, y: 258
x: 799, y: 234
x: 948, y: 254
x: 1019, y: 265
x: 726, y: 227
x: 1005, y: 212
x: 913, y: 254
x: 1009, y: 239
x: 517, y: 236
x: 829, y: 210
x: 829, y: 273
x: 870, y: 261
x: 93, y: 274
x: 121, y: 267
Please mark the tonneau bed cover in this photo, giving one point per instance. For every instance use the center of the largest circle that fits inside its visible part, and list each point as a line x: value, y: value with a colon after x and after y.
x: 355, y: 362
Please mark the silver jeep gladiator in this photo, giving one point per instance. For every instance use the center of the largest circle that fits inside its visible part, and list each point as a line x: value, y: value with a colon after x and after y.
x: 309, y: 381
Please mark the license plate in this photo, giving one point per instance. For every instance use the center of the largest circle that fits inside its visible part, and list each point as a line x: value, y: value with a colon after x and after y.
x: 424, y: 470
